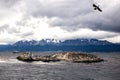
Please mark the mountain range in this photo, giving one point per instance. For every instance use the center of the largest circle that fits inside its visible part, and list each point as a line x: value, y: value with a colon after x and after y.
x: 85, y: 45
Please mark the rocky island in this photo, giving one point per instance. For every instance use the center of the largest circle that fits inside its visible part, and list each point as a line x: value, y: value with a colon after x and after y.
x: 63, y: 56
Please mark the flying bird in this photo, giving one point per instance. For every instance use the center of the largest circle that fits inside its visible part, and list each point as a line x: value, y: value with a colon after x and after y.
x: 97, y: 8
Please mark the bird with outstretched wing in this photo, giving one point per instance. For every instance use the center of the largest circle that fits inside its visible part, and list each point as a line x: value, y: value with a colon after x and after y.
x: 97, y: 8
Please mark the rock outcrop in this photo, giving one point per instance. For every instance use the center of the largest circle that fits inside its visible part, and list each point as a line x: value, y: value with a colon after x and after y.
x: 25, y: 57
x: 77, y: 57
x: 29, y: 57
x: 64, y: 56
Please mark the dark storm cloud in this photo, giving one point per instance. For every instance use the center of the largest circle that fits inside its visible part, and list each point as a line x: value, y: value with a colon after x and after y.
x: 75, y: 14
x: 112, y: 20
x: 107, y: 21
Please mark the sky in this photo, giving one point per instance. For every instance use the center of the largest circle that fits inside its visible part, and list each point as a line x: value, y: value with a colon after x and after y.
x: 59, y: 19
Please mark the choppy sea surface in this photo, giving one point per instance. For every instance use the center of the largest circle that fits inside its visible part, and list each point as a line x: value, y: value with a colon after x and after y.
x: 12, y: 69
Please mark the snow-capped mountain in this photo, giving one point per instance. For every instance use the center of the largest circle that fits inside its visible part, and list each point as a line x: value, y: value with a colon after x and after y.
x: 87, y: 45
x: 34, y: 42
x: 58, y: 42
x: 85, y: 42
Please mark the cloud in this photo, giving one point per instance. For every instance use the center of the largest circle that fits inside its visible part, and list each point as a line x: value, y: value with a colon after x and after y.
x: 2, y: 28
x: 75, y: 14
x: 108, y: 20
x: 8, y: 3
x: 59, y: 19
x: 59, y: 8
x: 114, y: 39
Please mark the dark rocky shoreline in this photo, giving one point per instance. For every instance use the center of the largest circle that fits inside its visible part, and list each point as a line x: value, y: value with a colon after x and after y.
x: 63, y: 56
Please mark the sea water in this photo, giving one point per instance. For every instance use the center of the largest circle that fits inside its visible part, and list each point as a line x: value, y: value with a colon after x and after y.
x: 12, y: 69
